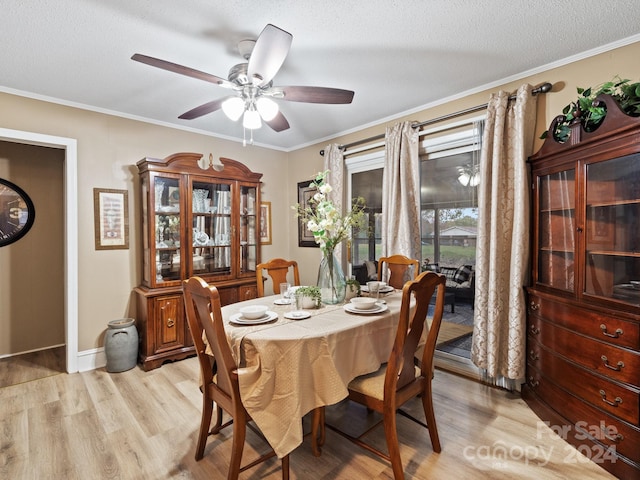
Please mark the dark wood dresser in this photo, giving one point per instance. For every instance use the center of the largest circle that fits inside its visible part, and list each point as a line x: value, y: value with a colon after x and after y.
x: 583, y: 320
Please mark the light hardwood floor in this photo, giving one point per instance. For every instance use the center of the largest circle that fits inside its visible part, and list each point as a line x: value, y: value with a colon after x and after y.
x: 142, y: 425
x: 32, y: 366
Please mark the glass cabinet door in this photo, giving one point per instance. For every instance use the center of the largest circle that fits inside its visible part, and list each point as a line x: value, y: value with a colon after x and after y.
x: 211, y: 229
x: 249, y: 212
x: 556, y: 229
x: 166, y: 205
x: 612, y: 238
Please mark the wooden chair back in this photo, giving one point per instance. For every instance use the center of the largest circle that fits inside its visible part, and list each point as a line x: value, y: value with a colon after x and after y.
x: 278, y: 270
x: 218, y: 373
x: 395, y: 269
x: 410, y: 331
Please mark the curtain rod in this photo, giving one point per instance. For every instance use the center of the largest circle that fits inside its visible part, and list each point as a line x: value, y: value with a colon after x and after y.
x: 544, y: 88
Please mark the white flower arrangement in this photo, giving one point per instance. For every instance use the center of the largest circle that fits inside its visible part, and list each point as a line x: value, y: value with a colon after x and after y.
x: 323, y: 219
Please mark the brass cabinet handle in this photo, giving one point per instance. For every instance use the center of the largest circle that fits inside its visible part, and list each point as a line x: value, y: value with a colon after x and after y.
x: 533, y: 329
x: 533, y: 355
x: 617, y: 438
x: 533, y: 382
x: 534, y: 306
x: 616, y: 334
x: 170, y: 322
x: 620, y: 364
x: 617, y: 401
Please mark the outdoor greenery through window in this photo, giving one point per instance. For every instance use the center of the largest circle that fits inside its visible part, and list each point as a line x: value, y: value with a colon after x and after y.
x: 449, y: 179
x: 367, y: 243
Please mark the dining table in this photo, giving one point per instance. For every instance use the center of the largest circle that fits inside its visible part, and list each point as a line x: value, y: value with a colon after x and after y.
x: 287, y: 367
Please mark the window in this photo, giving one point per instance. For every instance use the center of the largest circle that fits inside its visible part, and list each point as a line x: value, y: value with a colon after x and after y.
x: 449, y: 178
x: 365, y: 180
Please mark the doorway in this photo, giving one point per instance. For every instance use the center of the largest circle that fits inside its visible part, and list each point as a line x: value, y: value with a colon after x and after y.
x: 70, y: 247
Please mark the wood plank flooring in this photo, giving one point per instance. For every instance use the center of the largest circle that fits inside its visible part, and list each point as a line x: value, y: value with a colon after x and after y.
x: 32, y: 366
x: 139, y: 425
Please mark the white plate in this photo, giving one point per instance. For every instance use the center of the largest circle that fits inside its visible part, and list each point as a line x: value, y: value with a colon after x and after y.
x: 381, y: 307
x: 282, y: 301
x: 239, y: 319
x: 386, y: 289
x: 297, y: 315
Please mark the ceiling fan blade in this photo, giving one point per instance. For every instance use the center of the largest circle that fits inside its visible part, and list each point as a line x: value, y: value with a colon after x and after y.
x: 203, y: 109
x: 182, y: 70
x: 278, y: 123
x: 313, y: 94
x: 269, y: 52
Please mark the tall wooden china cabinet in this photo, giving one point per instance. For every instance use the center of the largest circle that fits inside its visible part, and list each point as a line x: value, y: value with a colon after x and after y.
x: 583, y: 343
x: 195, y: 221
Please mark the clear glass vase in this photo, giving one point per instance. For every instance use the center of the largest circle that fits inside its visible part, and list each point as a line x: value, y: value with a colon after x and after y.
x: 331, y: 279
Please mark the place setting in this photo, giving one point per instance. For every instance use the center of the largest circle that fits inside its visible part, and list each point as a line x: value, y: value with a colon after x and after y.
x: 374, y: 287
x: 253, y: 315
x: 365, y: 305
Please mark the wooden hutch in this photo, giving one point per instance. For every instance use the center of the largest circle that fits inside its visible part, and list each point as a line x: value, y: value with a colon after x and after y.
x: 195, y: 221
x: 583, y: 319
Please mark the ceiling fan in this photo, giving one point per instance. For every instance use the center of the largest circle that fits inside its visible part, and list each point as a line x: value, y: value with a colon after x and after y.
x: 252, y: 83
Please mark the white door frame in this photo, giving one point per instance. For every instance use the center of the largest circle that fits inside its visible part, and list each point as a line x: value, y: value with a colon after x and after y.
x: 69, y: 145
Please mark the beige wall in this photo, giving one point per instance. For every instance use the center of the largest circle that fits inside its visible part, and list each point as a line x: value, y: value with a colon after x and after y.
x: 109, y: 147
x: 32, y: 269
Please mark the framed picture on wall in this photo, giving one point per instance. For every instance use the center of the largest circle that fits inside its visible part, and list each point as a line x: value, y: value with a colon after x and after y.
x: 111, y: 218
x: 265, y: 223
x: 305, y: 193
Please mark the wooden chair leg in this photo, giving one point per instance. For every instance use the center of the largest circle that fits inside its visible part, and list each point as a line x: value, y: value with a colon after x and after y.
x: 391, y: 435
x: 285, y: 467
x: 317, y: 431
x: 218, y: 425
x: 429, y: 414
x: 207, y: 410
x: 237, y: 446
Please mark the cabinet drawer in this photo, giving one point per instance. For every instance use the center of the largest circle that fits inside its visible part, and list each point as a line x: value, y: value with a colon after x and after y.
x: 614, y: 398
x: 588, y: 322
x: 584, y: 420
x: 617, y: 363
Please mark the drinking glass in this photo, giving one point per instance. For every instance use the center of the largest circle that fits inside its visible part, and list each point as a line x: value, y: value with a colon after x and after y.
x: 296, y: 300
x: 374, y: 289
x: 284, y: 291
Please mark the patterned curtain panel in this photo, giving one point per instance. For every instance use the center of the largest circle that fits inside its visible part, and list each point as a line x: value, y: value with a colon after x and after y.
x: 334, y: 162
x: 502, y: 252
x: 401, y: 192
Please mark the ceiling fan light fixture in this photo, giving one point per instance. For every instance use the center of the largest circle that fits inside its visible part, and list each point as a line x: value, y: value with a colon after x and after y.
x: 469, y: 175
x: 464, y: 179
x: 251, y: 119
x: 267, y: 108
x: 474, y: 181
x: 233, y: 108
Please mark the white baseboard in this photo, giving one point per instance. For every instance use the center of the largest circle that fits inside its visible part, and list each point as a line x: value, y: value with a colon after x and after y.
x: 91, y: 359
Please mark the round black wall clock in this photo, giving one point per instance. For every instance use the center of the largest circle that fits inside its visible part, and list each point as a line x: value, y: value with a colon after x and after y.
x: 16, y: 213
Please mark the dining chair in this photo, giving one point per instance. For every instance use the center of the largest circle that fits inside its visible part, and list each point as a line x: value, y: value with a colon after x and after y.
x: 396, y: 267
x: 399, y: 380
x: 278, y: 269
x: 219, y: 375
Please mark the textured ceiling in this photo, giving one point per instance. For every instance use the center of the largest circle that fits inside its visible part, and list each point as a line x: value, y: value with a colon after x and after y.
x: 396, y: 55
